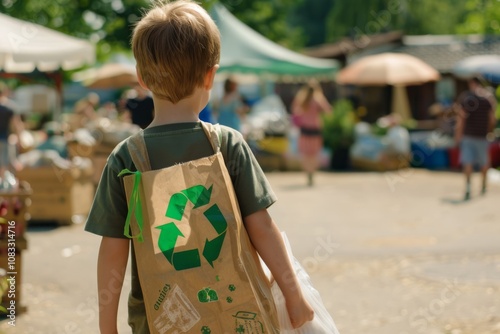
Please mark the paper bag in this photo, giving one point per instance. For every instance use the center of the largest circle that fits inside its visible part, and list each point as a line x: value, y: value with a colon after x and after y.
x: 198, y: 270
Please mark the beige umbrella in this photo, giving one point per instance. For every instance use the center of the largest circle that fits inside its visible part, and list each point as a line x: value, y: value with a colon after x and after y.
x: 387, y: 69
x: 108, y: 76
x: 396, y: 69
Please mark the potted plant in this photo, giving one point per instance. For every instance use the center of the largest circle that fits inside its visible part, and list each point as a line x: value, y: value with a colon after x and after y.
x: 338, y: 133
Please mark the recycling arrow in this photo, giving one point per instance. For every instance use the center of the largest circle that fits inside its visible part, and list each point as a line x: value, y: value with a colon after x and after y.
x: 199, y: 196
x: 212, y: 248
x: 166, y: 242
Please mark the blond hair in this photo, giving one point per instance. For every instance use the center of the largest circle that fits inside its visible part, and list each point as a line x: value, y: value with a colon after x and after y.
x: 174, y: 46
x: 307, y: 93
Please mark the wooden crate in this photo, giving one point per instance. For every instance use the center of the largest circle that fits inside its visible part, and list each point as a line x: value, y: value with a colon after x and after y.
x: 59, y: 195
x: 61, y: 203
x: 76, y: 149
x: 386, y: 163
x: 52, y: 175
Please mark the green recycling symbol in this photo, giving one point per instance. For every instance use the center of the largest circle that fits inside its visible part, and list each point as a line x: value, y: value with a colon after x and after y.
x: 199, y: 196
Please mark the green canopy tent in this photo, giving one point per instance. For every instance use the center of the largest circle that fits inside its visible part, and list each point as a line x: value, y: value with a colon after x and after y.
x: 246, y: 51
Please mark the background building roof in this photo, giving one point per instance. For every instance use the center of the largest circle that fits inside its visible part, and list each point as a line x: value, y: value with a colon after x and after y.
x: 442, y: 52
x: 439, y: 51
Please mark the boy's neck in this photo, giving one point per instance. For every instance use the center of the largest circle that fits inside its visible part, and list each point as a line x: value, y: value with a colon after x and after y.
x: 184, y: 111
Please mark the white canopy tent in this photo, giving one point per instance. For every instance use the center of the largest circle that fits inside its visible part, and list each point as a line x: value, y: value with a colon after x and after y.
x: 25, y: 46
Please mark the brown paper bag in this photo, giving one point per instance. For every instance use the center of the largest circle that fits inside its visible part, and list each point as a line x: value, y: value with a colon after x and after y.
x: 198, y: 270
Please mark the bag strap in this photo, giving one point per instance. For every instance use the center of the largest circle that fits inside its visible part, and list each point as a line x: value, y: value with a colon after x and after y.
x: 213, y: 132
x: 138, y: 152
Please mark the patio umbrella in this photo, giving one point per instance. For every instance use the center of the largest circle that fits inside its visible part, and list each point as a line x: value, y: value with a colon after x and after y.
x: 487, y: 66
x: 396, y: 69
x: 400, y: 105
x: 387, y: 69
x: 108, y: 76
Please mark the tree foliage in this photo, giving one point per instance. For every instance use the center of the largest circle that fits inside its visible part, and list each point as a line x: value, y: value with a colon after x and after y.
x: 291, y: 23
x: 414, y: 17
x: 358, y: 17
x: 432, y: 17
x: 108, y: 23
x: 270, y: 18
x: 311, y: 16
x: 482, y: 17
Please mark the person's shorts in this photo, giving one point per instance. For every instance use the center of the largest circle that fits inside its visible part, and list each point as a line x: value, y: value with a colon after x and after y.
x: 474, y: 151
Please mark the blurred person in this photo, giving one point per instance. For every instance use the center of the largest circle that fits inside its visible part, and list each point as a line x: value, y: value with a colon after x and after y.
x: 108, y: 110
x: 140, y: 107
x: 9, y: 121
x: 85, y: 109
x: 475, y: 119
x: 55, y: 140
x: 230, y: 110
x: 307, y: 107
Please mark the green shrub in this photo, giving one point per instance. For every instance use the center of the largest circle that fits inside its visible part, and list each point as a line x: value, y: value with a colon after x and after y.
x: 338, y: 126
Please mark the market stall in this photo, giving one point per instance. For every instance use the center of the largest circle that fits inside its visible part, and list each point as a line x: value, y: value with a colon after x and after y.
x: 26, y: 47
x: 392, y: 149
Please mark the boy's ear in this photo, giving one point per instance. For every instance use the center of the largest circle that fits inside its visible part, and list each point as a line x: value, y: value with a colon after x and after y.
x: 139, y: 79
x: 209, y: 77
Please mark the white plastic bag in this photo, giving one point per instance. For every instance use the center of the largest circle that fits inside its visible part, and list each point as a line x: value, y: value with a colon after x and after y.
x: 322, y: 322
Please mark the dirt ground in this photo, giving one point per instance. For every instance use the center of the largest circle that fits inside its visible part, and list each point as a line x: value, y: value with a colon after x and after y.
x: 390, y: 253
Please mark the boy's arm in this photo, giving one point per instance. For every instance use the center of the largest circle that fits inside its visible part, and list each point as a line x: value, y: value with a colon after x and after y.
x: 268, y: 242
x: 111, y: 266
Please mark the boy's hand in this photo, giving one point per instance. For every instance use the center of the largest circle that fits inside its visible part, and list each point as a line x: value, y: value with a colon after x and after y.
x: 299, y: 312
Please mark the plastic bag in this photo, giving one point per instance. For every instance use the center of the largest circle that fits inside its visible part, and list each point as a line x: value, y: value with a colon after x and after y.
x: 322, y: 322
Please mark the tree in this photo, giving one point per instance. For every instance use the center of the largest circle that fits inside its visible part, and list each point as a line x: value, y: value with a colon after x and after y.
x: 310, y: 17
x: 108, y: 23
x: 356, y: 18
x: 426, y: 17
x: 482, y: 17
x: 269, y: 18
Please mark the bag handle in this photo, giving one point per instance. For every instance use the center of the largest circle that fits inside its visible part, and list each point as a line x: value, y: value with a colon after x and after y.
x: 138, y: 152
x: 213, y: 133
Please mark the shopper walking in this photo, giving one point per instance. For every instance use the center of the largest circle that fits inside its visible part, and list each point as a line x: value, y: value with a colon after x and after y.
x: 307, y: 107
x: 476, y: 118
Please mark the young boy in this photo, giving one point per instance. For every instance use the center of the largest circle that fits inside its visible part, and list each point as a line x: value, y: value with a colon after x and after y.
x: 177, y: 49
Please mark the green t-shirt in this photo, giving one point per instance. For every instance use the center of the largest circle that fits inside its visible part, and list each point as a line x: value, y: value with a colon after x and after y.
x: 168, y: 145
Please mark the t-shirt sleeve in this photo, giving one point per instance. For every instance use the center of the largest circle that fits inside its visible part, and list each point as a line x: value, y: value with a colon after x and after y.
x: 109, y: 210
x: 251, y: 186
